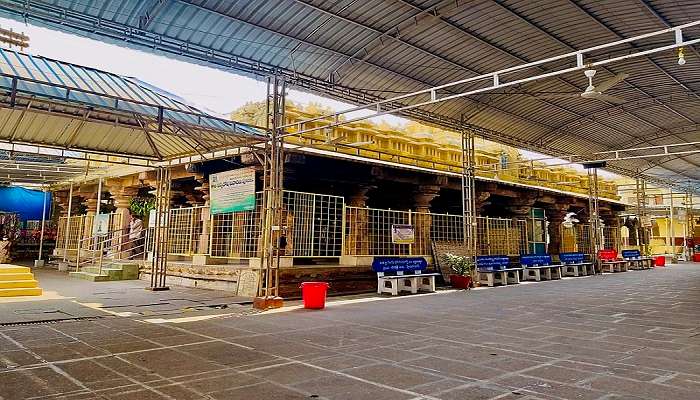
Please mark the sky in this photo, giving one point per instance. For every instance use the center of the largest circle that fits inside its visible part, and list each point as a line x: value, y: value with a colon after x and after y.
x: 210, y: 89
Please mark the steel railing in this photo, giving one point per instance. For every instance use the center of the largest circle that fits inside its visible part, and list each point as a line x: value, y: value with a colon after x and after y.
x: 113, y: 246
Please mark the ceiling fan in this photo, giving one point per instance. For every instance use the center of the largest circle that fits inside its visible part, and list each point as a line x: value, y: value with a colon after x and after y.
x: 594, y: 92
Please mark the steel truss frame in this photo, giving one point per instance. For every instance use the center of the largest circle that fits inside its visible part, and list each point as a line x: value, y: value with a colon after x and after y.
x: 198, y: 130
x: 496, y: 80
x: 469, y: 193
x: 273, y: 178
x: 161, y: 231
x: 140, y: 36
x: 594, y: 217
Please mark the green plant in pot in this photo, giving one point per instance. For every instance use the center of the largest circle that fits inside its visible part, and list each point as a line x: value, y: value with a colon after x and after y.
x: 463, y: 269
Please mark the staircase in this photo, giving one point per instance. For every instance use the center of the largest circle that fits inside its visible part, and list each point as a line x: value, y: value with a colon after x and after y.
x: 17, y: 281
x: 111, y: 271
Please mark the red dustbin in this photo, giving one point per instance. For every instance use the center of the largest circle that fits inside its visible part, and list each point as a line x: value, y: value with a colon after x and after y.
x: 696, y: 257
x: 314, y: 294
x: 660, y: 261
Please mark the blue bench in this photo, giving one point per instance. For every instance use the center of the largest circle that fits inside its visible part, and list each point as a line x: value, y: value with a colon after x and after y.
x: 539, y: 266
x: 396, y: 274
x: 574, y: 264
x: 636, y: 260
x: 492, y: 270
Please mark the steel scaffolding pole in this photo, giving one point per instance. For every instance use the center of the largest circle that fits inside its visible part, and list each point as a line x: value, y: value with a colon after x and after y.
x: 161, y: 231
x: 594, y: 216
x: 271, y: 213
x: 671, y: 229
x: 468, y: 193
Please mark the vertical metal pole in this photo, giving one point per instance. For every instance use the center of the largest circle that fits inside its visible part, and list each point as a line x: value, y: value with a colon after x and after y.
x: 67, y: 228
x: 159, y: 263
x: 594, y: 221
x: 102, y: 248
x: 97, y: 212
x: 671, y: 229
x: 686, y: 225
x: 410, y: 222
x: 646, y: 235
x: 468, y: 193
x: 272, y: 213
x: 40, y: 261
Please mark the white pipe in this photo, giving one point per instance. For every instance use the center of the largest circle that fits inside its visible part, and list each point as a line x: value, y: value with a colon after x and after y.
x: 43, y: 222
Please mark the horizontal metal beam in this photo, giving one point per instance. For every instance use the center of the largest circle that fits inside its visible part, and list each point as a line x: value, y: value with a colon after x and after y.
x: 496, y: 80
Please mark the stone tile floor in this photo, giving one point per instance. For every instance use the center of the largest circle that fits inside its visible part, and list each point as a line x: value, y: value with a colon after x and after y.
x: 634, y: 335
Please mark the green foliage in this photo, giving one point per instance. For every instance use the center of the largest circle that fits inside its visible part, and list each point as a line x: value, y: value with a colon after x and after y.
x: 141, y: 206
x: 461, y: 265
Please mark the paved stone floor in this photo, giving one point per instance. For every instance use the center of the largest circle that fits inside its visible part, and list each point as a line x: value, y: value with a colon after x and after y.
x: 628, y: 336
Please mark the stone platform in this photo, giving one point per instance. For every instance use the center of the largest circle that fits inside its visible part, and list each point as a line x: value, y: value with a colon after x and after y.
x: 633, y: 336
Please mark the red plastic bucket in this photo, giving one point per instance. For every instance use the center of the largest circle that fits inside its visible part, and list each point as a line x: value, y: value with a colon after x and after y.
x: 314, y: 294
x: 660, y: 261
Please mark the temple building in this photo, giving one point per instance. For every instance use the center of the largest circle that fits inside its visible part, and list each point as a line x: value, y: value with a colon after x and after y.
x: 343, y: 192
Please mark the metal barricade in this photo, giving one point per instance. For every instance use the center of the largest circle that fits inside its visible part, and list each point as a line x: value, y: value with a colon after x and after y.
x: 368, y: 232
x: 314, y: 228
x: 185, y: 227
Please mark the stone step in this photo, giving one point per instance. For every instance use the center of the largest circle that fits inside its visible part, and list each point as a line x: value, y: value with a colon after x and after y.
x: 21, y: 276
x: 90, y: 276
x: 11, y: 292
x: 18, y: 284
x: 113, y: 273
x: 14, y: 269
x: 115, y: 270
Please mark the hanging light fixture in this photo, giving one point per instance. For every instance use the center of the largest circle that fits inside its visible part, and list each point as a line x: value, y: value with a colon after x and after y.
x: 681, y: 56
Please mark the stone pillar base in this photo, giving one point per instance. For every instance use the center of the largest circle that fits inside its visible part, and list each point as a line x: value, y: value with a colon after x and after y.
x: 63, y: 266
x: 206, y: 259
x: 356, y: 261
x: 285, y: 262
x: 266, y: 303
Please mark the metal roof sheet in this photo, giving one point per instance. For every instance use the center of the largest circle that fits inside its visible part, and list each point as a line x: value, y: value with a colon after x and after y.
x: 360, y: 50
x: 58, y: 104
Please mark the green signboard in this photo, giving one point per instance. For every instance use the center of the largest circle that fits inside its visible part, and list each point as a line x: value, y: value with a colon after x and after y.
x: 232, y: 191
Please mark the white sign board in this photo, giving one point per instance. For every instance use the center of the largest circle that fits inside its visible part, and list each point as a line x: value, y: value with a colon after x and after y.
x: 101, y: 224
x: 232, y: 191
x: 402, y: 234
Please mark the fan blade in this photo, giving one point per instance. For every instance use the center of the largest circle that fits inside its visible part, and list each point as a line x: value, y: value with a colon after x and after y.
x: 558, y: 96
x: 605, y: 85
x: 609, y: 99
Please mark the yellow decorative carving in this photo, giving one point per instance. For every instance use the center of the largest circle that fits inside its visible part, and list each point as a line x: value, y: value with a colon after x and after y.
x: 423, y: 146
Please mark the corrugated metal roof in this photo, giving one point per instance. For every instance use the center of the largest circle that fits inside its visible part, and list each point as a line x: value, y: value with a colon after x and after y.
x: 58, y: 104
x: 360, y: 50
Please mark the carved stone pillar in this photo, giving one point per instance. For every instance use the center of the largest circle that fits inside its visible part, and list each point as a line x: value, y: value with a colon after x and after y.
x: 555, y: 217
x: 356, y: 242
x: 203, y: 188
x: 423, y: 219
x: 611, y: 231
x: 60, y: 199
x: 481, y: 200
x: 122, y: 200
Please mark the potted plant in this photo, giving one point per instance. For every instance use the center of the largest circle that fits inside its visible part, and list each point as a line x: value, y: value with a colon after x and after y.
x: 463, y: 269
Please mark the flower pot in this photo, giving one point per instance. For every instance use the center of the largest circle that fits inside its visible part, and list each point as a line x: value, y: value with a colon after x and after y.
x: 460, y: 281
